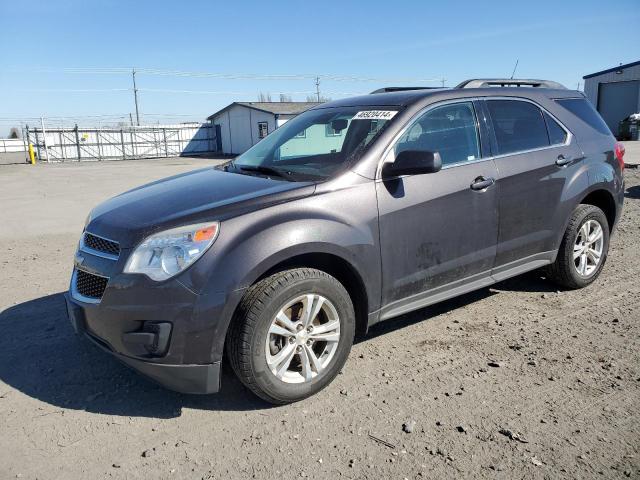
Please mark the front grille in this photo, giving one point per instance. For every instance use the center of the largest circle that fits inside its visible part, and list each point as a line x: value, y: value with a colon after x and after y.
x: 101, y: 244
x: 89, y: 285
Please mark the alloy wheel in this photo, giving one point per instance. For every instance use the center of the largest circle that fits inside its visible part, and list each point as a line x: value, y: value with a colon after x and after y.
x: 587, y: 250
x: 303, y: 338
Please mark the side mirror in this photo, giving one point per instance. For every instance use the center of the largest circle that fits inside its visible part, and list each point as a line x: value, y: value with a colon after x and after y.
x: 413, y: 162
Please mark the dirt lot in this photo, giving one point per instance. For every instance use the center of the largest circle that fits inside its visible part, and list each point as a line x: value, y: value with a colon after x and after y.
x: 562, y: 399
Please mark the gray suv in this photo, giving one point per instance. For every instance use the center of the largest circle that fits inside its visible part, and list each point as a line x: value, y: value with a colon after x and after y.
x: 354, y: 212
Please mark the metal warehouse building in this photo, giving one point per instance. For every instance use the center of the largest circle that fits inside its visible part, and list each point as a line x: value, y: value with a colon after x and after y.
x: 615, y: 92
x: 241, y: 125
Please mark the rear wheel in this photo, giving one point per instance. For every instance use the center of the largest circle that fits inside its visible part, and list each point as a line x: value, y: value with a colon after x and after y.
x: 583, y: 250
x: 291, y: 334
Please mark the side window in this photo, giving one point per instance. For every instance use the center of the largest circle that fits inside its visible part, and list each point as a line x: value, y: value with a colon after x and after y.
x: 557, y: 134
x: 518, y: 126
x: 449, y: 130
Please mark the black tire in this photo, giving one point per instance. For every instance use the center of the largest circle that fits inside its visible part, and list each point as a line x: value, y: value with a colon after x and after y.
x: 563, y: 270
x: 246, y: 340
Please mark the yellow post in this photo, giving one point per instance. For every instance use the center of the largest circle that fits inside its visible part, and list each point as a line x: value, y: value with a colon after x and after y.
x: 32, y: 154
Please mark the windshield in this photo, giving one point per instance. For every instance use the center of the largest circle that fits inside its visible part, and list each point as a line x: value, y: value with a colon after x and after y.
x: 314, y: 145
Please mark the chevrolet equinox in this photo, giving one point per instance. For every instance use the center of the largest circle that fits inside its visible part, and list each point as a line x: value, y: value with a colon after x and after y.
x: 351, y: 213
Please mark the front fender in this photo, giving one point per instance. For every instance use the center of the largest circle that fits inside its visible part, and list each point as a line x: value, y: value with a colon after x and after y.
x: 254, y: 243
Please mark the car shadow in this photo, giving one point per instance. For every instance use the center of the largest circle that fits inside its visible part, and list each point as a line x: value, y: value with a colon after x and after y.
x: 633, y: 192
x: 41, y: 356
x: 426, y: 313
x: 533, y: 281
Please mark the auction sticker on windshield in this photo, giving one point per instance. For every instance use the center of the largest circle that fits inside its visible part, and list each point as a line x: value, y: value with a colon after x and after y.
x: 375, y: 115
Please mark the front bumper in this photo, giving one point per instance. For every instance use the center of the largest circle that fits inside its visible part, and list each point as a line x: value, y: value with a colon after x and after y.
x: 183, y: 377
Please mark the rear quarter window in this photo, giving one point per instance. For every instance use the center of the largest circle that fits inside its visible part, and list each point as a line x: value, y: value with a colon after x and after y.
x: 557, y: 135
x: 582, y: 109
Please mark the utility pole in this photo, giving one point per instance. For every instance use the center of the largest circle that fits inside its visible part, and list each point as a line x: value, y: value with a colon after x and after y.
x: 131, y: 119
x: 442, y: 82
x: 318, y: 88
x: 135, y: 95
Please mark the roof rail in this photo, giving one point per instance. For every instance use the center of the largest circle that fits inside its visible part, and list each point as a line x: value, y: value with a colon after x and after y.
x: 401, y: 89
x: 509, y: 82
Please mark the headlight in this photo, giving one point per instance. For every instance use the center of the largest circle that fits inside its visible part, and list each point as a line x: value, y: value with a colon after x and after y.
x: 165, y: 254
x: 87, y: 220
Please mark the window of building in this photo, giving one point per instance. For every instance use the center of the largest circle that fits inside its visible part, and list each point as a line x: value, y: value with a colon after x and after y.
x: 518, y: 126
x: 263, y: 129
x: 449, y: 130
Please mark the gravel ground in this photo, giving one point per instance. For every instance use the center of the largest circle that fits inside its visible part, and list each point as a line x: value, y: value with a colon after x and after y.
x: 515, y: 381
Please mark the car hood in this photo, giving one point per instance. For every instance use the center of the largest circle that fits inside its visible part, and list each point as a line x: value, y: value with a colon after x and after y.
x: 193, y: 197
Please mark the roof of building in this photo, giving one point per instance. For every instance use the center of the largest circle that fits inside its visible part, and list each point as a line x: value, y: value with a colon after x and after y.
x: 279, y: 108
x: 614, y: 69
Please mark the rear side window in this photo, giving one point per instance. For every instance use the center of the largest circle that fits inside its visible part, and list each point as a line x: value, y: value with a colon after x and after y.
x: 449, y: 130
x: 557, y: 134
x: 582, y: 109
x: 518, y: 126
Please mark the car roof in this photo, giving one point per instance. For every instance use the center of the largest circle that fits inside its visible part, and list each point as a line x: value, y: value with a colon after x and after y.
x: 397, y: 99
x: 404, y: 98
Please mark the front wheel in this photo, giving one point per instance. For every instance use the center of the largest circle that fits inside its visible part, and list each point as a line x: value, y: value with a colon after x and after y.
x: 583, y: 250
x: 291, y: 335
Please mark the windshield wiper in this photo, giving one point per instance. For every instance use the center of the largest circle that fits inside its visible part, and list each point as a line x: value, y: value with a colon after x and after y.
x: 267, y: 171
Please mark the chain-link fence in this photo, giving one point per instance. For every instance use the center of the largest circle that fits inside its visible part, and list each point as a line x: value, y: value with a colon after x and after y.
x: 60, y: 144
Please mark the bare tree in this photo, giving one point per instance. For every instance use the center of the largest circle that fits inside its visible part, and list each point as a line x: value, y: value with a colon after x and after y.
x: 264, y: 97
x: 285, y: 98
x: 314, y: 98
x: 14, y: 132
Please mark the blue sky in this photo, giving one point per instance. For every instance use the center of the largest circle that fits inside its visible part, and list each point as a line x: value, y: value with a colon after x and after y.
x: 559, y: 40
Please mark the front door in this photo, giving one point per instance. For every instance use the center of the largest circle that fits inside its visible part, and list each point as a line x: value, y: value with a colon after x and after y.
x: 438, y: 231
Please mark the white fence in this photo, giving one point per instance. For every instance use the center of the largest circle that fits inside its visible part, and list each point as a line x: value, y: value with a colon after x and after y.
x: 59, y: 144
x: 8, y: 145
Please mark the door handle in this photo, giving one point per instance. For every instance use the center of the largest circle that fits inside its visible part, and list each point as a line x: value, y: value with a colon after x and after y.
x: 482, y: 183
x: 563, y: 161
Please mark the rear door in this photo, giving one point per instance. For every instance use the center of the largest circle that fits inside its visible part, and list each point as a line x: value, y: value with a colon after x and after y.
x: 535, y: 155
x: 438, y: 231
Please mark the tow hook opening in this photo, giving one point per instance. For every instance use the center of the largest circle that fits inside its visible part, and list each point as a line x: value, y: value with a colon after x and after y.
x: 151, y: 340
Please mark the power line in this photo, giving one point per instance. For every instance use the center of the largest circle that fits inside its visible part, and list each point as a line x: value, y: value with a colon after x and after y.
x: 118, y: 115
x: 169, y: 90
x: 245, y: 92
x: 73, y: 90
x: 229, y: 76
